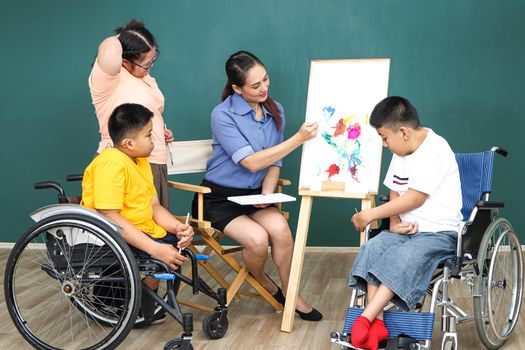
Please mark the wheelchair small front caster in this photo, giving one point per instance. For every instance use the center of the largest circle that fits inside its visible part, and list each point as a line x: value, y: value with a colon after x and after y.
x: 184, y: 342
x: 450, y: 342
x: 215, y: 324
x: 341, y: 339
x: 222, y: 298
x: 187, y: 324
x: 178, y: 343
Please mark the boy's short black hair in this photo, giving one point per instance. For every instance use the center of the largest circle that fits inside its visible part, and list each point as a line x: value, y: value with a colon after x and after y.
x: 393, y: 112
x: 127, y: 119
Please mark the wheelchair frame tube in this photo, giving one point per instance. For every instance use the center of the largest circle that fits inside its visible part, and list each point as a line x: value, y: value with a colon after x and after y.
x: 173, y: 310
x: 200, y: 286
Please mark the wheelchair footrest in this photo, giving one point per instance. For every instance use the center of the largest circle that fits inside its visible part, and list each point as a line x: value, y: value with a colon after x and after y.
x: 417, y: 325
x: 164, y: 276
x: 400, y: 342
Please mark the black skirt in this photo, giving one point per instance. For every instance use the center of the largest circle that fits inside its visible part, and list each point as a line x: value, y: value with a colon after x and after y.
x: 218, y: 209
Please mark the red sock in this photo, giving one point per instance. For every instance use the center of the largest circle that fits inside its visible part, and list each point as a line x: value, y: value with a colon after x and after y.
x: 359, y: 331
x: 378, y: 333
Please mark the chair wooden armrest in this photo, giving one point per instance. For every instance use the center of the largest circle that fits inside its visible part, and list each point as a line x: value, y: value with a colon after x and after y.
x: 189, y: 187
x: 284, y: 182
x: 202, y: 224
x: 280, y: 184
x: 200, y: 190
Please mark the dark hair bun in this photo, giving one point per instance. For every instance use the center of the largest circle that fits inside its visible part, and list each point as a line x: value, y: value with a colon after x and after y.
x: 134, y: 24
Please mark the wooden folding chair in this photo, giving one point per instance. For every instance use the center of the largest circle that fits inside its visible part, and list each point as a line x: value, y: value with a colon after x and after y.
x: 189, y: 157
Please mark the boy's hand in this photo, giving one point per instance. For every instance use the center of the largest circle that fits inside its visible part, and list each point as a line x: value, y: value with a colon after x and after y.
x: 168, y: 255
x: 361, y: 219
x: 184, y: 233
x: 404, y: 228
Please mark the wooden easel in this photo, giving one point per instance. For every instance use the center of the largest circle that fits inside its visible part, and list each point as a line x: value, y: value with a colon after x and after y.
x: 367, y: 201
x: 330, y: 81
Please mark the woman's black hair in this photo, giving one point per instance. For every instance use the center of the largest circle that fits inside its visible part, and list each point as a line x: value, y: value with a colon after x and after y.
x: 135, y: 39
x: 236, y: 67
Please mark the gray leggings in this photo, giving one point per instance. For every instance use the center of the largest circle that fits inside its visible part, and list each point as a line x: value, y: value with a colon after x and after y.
x: 160, y: 180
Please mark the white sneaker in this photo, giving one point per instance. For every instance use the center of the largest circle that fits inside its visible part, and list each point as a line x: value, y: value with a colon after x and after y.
x: 159, y: 318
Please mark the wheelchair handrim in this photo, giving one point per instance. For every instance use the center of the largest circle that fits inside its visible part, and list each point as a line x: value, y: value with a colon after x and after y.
x: 516, y: 287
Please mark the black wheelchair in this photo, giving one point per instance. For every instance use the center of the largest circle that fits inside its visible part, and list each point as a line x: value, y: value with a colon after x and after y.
x: 488, y: 259
x: 71, y: 282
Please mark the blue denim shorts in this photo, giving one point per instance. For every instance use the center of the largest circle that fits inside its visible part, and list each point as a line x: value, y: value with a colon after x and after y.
x: 170, y: 238
x: 403, y: 263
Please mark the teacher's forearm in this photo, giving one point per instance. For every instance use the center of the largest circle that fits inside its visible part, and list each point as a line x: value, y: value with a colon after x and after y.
x: 270, y: 180
x: 267, y: 157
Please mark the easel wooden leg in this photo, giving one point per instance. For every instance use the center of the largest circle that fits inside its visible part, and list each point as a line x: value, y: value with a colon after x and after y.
x: 365, y: 204
x: 297, y: 263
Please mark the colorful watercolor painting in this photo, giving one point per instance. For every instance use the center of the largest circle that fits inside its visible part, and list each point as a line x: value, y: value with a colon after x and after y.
x: 343, y: 135
x: 341, y: 96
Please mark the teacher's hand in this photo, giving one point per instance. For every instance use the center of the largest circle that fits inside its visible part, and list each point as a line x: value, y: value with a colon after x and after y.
x: 308, y: 131
x: 262, y: 206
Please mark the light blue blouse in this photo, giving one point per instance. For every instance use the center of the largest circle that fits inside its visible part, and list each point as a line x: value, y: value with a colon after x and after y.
x: 237, y: 134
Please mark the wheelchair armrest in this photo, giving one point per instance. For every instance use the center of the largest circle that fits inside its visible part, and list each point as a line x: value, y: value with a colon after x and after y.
x: 74, y: 177
x: 454, y: 265
x: 189, y: 187
x: 383, y: 198
x: 489, y: 204
x: 55, y: 185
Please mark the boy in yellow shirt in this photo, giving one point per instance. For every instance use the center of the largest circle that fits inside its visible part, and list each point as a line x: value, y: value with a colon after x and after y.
x: 119, y: 184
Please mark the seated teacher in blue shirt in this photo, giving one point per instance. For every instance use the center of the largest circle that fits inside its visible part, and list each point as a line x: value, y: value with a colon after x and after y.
x: 248, y: 148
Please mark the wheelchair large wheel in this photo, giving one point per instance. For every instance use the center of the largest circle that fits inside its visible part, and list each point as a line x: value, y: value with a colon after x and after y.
x: 499, y: 287
x: 72, y: 283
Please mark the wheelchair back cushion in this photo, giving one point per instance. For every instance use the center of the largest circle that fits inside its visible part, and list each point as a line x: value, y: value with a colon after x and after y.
x: 475, y: 172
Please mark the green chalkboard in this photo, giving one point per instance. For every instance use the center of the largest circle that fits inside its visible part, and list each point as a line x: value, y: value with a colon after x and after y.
x: 459, y: 62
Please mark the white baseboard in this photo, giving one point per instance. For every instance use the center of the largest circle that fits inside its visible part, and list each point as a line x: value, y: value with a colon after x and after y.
x: 7, y: 245
x: 315, y: 249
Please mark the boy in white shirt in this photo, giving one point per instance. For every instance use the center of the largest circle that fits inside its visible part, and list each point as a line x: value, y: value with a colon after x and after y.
x: 424, y: 211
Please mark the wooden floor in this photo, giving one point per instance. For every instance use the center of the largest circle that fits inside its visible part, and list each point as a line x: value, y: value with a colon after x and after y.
x: 254, y: 325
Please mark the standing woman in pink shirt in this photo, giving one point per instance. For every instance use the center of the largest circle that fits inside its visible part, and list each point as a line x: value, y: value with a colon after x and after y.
x: 121, y: 74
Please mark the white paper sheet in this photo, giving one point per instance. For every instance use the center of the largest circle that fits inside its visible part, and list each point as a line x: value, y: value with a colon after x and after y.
x: 262, y: 199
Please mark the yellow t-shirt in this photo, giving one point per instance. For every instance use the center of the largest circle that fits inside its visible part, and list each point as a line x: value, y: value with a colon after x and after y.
x: 114, y: 181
